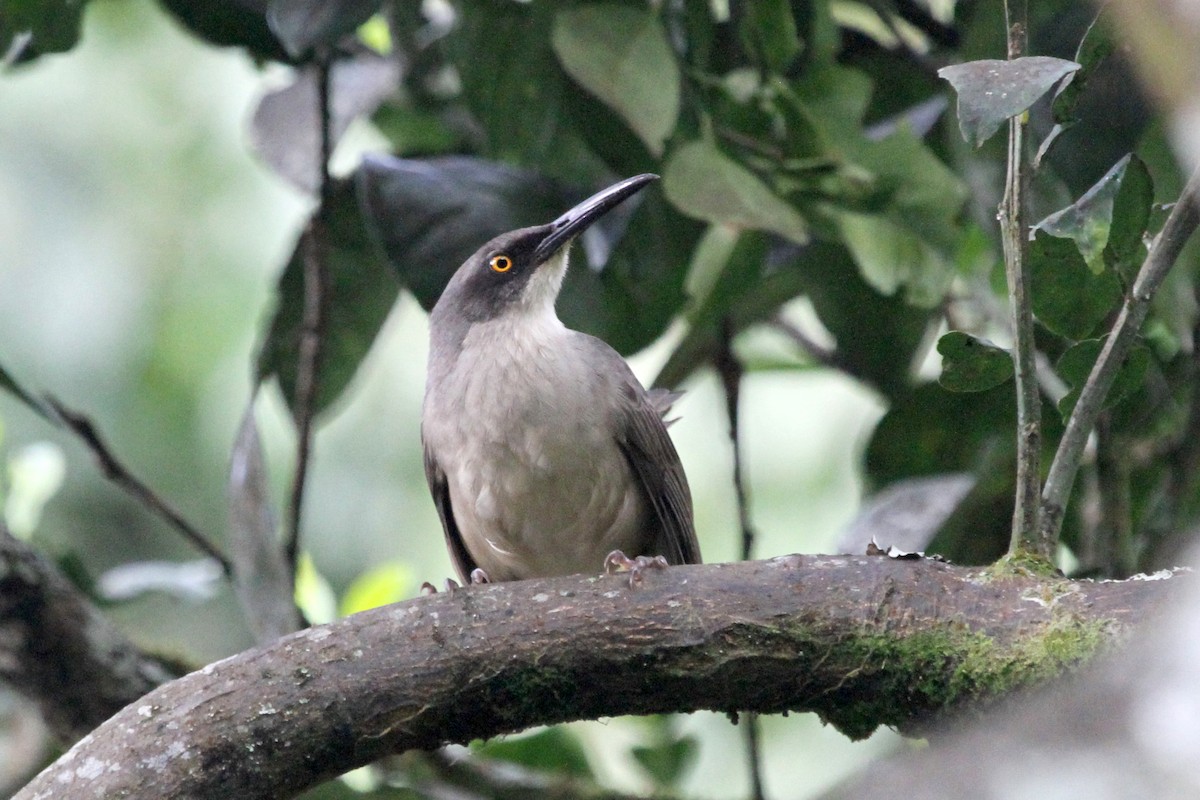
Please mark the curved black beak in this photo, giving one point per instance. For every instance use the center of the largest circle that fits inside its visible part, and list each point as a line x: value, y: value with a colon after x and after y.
x: 577, y: 220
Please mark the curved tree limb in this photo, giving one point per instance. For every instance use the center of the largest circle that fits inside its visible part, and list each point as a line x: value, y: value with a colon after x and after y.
x: 59, y: 651
x: 863, y: 641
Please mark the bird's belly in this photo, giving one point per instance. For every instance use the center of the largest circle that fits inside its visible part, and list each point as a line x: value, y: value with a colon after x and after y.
x: 539, y: 499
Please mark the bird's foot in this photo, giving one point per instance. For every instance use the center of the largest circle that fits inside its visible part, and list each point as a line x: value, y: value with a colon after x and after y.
x: 476, y: 577
x: 429, y: 588
x: 617, y: 561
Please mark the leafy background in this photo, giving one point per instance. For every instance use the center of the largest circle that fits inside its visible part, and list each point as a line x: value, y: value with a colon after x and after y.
x: 808, y: 164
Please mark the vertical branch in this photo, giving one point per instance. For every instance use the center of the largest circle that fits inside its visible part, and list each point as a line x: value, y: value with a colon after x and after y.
x: 731, y: 371
x: 1180, y: 225
x: 313, y: 321
x: 1013, y: 232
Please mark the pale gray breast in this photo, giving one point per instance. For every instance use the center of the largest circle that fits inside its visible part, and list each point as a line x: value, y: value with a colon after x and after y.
x: 522, y: 426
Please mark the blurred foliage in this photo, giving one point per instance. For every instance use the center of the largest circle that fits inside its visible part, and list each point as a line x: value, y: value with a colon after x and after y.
x: 807, y: 153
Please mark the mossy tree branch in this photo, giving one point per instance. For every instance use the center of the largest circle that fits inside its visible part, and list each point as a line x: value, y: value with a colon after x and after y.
x: 862, y: 641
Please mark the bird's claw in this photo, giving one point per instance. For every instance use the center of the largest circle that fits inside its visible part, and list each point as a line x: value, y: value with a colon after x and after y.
x: 476, y: 577
x: 617, y: 561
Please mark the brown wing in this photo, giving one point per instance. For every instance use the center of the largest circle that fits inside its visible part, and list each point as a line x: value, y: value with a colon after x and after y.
x: 440, y: 489
x: 644, y: 440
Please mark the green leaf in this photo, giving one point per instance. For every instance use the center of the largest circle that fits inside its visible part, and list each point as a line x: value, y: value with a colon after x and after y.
x: 361, y: 291
x: 891, y: 257
x: 1076, y: 364
x: 1125, y: 250
x: 768, y: 31
x: 306, y: 25
x: 314, y: 595
x: 1087, y: 220
x: 970, y: 364
x: 876, y: 336
x: 704, y: 183
x: 620, y: 54
x: 1067, y: 297
x: 667, y: 761
x: 554, y: 750
x: 378, y: 586
x: 990, y: 91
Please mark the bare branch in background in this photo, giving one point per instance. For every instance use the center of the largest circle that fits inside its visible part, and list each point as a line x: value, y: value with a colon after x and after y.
x: 116, y: 472
x: 312, y: 333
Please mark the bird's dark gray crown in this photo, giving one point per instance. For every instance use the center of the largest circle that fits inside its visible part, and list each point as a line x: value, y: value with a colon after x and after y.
x: 477, y: 292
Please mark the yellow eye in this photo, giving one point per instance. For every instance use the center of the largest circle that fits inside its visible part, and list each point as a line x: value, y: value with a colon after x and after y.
x: 500, y: 263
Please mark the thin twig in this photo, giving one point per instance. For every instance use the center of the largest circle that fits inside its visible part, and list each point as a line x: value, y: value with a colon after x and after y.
x: 1013, y: 230
x: 116, y: 472
x: 731, y: 371
x: 1180, y: 225
x: 312, y: 326
x: 825, y: 356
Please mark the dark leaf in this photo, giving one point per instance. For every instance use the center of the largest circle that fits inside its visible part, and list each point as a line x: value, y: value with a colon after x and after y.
x: 610, y: 49
x: 1076, y: 364
x: 262, y: 576
x: 928, y: 431
x: 236, y: 23
x: 31, y: 28
x: 1067, y: 297
x: 990, y: 91
x: 307, y: 25
x: 1093, y: 49
x: 768, y: 32
x: 431, y: 215
x: 285, y: 131
x: 515, y: 89
x: 970, y: 364
x: 361, y: 292
x: 553, y: 750
x: 1095, y: 46
x: 906, y: 514
x: 1125, y: 249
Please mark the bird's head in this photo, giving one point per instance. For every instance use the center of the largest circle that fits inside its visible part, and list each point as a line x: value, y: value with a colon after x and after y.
x: 522, y: 271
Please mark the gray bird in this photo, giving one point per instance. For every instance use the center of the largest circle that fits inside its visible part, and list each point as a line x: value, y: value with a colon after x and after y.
x: 544, y: 454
